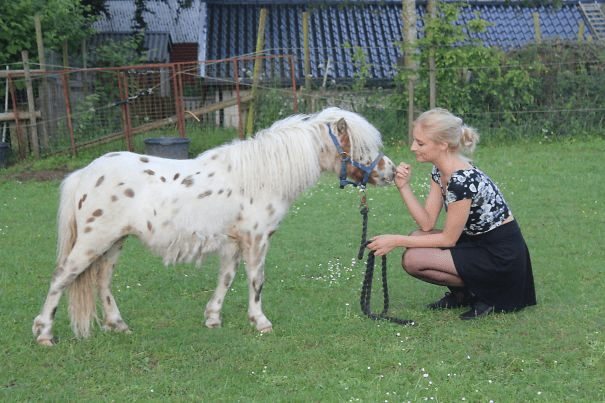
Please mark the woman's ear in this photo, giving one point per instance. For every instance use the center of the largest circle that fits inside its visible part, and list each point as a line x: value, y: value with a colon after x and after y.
x: 443, y: 146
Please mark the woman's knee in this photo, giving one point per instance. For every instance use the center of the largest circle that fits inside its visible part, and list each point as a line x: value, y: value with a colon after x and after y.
x: 409, y: 262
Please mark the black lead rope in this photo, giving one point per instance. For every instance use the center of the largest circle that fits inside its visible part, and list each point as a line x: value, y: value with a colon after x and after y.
x: 366, y: 289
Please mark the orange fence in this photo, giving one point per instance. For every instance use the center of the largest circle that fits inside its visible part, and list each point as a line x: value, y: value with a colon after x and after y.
x: 64, y: 111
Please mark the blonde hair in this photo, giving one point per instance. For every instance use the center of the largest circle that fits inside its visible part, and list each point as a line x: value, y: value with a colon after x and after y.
x: 443, y: 126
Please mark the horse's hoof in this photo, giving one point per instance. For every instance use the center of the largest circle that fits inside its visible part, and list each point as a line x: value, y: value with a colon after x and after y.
x: 47, y: 342
x: 213, y: 324
x: 263, y: 325
x: 119, y: 327
x: 122, y: 328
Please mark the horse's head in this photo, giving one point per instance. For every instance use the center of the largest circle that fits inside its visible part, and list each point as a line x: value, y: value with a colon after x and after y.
x: 358, y: 155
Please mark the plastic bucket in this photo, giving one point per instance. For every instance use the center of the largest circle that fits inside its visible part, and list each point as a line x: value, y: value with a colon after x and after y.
x: 168, y: 147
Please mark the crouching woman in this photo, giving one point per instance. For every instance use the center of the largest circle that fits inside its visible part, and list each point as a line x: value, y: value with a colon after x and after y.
x: 480, y: 254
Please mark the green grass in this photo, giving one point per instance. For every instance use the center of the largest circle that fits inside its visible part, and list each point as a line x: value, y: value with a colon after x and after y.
x: 322, y: 348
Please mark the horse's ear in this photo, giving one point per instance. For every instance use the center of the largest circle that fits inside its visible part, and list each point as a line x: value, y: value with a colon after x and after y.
x: 343, y: 135
x: 341, y: 126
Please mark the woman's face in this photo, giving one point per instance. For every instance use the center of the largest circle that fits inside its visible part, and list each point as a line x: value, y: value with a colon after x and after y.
x: 426, y: 150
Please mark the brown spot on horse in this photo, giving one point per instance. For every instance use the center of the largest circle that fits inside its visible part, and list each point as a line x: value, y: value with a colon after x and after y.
x: 82, y: 201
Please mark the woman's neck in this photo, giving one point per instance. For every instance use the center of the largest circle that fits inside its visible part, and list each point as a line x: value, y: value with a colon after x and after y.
x: 450, y: 163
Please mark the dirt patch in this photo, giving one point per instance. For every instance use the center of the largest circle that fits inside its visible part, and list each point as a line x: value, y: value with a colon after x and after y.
x: 40, y: 176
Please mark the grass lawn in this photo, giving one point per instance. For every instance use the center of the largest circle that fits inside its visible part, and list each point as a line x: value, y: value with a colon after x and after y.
x: 322, y: 348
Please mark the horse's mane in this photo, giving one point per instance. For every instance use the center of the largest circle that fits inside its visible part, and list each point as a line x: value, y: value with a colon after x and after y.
x: 285, y: 157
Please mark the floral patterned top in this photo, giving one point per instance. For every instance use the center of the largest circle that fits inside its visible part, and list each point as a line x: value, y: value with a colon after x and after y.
x: 488, y: 209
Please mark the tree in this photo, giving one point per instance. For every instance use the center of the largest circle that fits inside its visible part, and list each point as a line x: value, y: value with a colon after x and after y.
x: 469, y: 77
x: 60, y: 19
x: 138, y: 21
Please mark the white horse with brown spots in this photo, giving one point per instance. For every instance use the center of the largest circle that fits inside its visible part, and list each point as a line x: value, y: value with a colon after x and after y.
x: 228, y: 200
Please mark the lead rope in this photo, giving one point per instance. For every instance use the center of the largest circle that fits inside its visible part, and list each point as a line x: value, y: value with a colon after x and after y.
x: 366, y: 289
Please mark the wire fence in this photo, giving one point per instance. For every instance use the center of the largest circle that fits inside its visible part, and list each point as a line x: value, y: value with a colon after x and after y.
x: 49, y: 112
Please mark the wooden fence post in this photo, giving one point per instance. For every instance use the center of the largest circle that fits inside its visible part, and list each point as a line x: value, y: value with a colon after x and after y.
x: 31, y: 106
x: 307, y: 57
x: 410, y: 65
x: 260, y: 44
x: 305, y: 17
x: 17, y: 120
x: 44, y: 93
x: 537, y: 26
x: 5, y: 124
x: 431, y: 8
x: 70, y: 125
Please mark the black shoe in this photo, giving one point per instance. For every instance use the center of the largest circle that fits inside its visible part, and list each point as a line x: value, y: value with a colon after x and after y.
x: 479, y: 310
x: 450, y: 301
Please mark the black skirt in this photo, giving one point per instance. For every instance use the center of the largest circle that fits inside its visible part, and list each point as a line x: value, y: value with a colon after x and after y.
x: 496, y: 267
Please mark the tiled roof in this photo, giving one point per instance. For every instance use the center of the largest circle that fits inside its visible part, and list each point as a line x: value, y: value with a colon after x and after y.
x: 514, y: 24
x: 157, y: 44
x: 228, y: 28
x: 374, y: 26
x: 184, y: 27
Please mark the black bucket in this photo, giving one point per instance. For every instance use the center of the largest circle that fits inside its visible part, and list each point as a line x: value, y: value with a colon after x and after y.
x: 168, y: 147
x: 5, y: 150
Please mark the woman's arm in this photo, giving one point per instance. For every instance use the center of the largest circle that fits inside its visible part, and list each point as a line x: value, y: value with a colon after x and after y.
x: 457, y: 215
x: 425, y: 216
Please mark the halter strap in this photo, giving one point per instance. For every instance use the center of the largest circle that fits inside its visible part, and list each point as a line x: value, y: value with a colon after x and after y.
x: 344, y: 158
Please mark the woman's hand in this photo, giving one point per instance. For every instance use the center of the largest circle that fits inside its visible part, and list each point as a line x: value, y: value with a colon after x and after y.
x: 403, y: 173
x: 383, y: 244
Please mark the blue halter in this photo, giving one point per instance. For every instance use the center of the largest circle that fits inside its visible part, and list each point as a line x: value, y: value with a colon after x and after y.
x: 343, y: 164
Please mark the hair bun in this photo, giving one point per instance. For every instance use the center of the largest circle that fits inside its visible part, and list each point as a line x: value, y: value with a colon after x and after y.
x: 469, y: 138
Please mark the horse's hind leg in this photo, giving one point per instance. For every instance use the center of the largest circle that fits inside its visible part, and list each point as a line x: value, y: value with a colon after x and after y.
x: 64, y: 275
x: 105, y: 264
x: 230, y: 258
x: 44, y: 321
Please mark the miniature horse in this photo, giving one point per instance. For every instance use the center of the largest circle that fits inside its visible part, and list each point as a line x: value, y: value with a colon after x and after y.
x: 229, y: 200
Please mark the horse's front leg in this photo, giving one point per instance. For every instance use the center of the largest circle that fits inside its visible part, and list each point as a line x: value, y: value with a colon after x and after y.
x: 230, y: 257
x: 255, y: 268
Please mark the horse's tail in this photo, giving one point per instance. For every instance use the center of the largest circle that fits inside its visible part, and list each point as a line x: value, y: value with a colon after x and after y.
x: 82, y: 306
